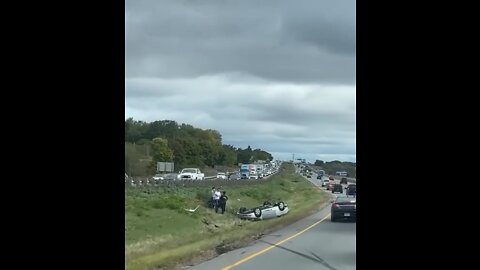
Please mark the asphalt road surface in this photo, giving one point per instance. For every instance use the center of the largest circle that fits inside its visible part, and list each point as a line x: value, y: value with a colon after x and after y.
x: 311, y: 243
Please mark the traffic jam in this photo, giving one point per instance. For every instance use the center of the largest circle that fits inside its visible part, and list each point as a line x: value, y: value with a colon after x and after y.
x: 343, y: 202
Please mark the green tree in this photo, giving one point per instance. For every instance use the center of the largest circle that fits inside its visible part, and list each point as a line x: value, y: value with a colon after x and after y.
x: 179, y: 153
x: 135, y: 130
x: 131, y: 158
x: 259, y: 154
x: 319, y: 162
x: 227, y: 156
x: 245, y: 155
x: 160, y: 152
x: 136, y: 162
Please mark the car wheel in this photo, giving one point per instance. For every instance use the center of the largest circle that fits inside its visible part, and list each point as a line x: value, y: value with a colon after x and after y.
x: 332, y: 219
x: 258, y: 212
x: 281, y: 206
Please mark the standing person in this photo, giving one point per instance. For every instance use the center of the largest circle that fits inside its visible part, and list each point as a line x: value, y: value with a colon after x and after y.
x: 212, y: 198
x: 216, y: 199
x: 223, y: 201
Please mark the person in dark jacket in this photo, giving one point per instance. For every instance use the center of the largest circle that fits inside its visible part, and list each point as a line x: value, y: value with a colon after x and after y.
x: 223, y: 201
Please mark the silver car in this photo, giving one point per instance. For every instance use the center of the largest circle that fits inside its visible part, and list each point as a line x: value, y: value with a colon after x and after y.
x: 266, y: 211
x: 221, y: 175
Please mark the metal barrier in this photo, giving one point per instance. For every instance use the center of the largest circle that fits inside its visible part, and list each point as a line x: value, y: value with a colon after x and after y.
x: 208, y: 181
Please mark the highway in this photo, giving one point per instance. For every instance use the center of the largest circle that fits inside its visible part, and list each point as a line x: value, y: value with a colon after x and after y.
x: 311, y: 243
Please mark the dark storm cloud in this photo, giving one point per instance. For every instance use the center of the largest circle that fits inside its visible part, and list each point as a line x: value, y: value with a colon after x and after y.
x: 307, y: 41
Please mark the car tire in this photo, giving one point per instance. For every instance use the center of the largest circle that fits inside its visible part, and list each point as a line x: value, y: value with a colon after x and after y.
x: 281, y: 206
x: 332, y: 219
x: 258, y: 212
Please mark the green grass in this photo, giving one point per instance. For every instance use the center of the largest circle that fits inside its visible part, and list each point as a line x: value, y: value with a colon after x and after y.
x: 159, y: 233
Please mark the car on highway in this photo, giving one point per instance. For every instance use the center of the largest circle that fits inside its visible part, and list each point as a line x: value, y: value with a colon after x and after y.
x: 319, y: 177
x: 221, y: 175
x: 266, y: 211
x: 235, y: 176
x: 331, y: 178
x: 325, y: 182
x: 157, y: 177
x: 352, y: 190
x: 330, y: 185
x: 343, y: 207
x: 253, y: 175
x: 337, y: 188
x: 344, y: 180
x: 171, y: 176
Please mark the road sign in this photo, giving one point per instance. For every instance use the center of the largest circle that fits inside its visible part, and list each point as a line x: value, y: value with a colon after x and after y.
x: 165, y: 166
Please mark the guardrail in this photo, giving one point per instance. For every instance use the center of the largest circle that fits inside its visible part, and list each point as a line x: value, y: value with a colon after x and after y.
x: 196, y: 183
x: 143, y: 182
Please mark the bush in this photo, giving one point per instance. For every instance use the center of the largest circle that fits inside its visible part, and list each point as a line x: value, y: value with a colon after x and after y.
x: 157, y: 204
x: 203, y: 195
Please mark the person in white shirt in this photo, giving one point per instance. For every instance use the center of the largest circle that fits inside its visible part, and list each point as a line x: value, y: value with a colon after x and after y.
x: 211, y: 201
x: 216, y: 199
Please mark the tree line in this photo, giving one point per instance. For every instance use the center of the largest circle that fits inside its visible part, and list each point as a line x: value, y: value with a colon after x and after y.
x: 331, y: 167
x: 186, y: 146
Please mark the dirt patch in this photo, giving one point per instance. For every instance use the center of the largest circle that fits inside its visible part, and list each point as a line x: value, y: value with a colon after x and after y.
x: 226, y: 247
x: 187, y: 263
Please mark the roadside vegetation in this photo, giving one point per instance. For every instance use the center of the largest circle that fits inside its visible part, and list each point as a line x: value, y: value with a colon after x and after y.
x: 160, y: 234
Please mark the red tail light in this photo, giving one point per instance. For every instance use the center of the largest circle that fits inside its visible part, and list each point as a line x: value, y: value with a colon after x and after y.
x: 335, y: 205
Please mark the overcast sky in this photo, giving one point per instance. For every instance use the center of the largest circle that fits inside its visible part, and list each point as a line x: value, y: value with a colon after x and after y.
x: 276, y: 75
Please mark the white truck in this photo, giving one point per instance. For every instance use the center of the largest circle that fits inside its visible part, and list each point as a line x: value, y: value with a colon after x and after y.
x: 191, y: 174
x: 260, y: 170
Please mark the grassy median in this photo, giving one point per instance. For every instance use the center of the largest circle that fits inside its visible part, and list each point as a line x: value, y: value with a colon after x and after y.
x: 159, y: 233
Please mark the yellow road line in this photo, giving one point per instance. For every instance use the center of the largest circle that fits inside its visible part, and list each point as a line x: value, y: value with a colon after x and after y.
x: 270, y: 247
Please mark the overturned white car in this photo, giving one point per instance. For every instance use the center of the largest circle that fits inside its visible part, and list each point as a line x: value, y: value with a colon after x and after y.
x: 266, y: 211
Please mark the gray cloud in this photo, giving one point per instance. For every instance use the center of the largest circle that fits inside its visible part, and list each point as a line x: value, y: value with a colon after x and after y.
x: 309, y: 41
x: 277, y: 117
x: 325, y: 24
x: 277, y: 75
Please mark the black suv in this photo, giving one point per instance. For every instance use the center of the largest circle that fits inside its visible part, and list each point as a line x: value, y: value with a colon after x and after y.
x: 352, y: 190
x: 337, y: 188
x: 344, y: 181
